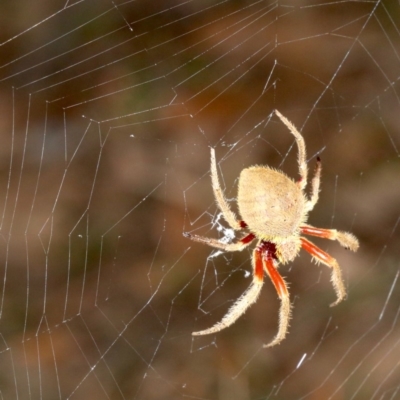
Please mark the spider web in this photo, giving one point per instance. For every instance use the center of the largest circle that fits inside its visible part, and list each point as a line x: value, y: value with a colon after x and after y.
x: 108, y: 111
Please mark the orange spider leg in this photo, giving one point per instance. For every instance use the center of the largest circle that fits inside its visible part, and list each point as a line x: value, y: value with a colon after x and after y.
x: 275, y: 276
x: 320, y: 232
x: 328, y: 260
x: 264, y: 261
x: 258, y: 264
x: 248, y: 238
x: 346, y: 239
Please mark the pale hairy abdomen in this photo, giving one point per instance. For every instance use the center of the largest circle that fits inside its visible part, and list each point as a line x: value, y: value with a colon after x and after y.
x: 270, y: 202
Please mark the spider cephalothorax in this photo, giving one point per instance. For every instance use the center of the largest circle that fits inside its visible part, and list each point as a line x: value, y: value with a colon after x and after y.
x: 274, y: 209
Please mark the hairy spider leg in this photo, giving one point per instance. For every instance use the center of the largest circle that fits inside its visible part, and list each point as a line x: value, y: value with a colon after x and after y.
x: 235, y: 246
x: 248, y: 238
x: 346, y: 239
x: 301, y: 157
x: 265, y: 256
x: 229, y: 216
x: 315, y: 185
x: 328, y: 260
x: 248, y: 298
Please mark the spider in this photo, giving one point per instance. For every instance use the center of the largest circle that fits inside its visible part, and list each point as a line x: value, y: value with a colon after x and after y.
x: 274, y: 210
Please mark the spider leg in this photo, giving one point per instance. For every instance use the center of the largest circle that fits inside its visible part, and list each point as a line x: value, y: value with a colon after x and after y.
x: 248, y: 298
x: 328, y: 260
x: 281, y: 288
x: 236, y: 246
x: 223, y: 205
x: 346, y: 239
x: 302, y: 149
x: 315, y: 184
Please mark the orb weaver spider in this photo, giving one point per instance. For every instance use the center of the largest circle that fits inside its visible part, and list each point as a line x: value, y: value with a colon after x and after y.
x: 274, y: 210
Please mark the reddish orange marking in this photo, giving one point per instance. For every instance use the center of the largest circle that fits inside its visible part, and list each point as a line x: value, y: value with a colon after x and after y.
x: 258, y: 265
x: 242, y: 224
x: 275, y: 276
x: 319, y: 232
x: 264, y: 256
x: 316, y: 251
x: 248, y: 238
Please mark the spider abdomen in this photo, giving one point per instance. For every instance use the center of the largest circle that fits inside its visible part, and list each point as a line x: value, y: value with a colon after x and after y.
x: 271, y: 204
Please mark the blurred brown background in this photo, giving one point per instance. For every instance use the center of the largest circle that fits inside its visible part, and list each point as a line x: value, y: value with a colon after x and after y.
x: 108, y: 111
